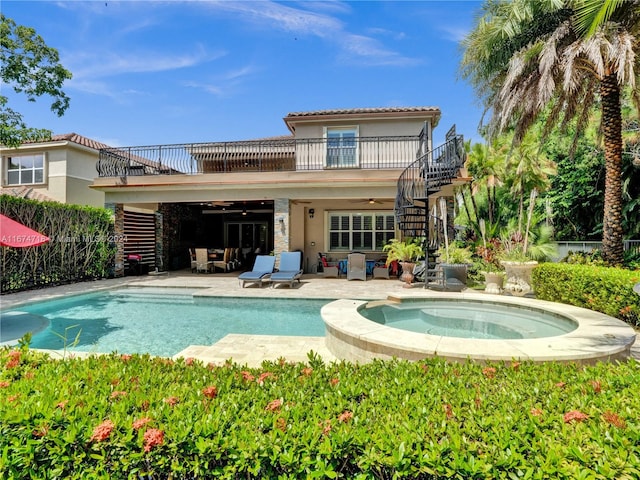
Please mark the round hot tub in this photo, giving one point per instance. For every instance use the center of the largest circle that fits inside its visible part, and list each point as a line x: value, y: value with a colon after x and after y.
x: 462, y: 326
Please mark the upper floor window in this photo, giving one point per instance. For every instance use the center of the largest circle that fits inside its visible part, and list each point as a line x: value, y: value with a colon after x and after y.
x: 361, y: 231
x: 342, y: 147
x: 24, y: 169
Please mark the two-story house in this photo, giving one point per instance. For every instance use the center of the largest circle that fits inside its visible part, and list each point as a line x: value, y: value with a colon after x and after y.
x: 61, y: 169
x: 330, y: 186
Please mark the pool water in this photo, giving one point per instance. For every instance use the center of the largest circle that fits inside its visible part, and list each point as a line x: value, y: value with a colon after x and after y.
x: 163, y: 322
x: 470, y: 319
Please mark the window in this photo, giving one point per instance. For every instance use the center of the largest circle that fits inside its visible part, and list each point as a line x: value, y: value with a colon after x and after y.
x: 342, y: 147
x: 25, y: 169
x: 361, y: 231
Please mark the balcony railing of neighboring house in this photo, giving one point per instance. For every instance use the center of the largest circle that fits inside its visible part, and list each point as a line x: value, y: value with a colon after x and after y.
x: 425, y: 176
x: 271, y: 155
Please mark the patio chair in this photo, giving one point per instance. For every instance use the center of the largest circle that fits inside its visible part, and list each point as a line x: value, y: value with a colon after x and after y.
x: 225, y: 262
x: 356, y: 266
x: 203, y: 264
x: 262, y: 268
x: 289, y: 269
x: 330, y: 268
x: 381, y: 270
x: 194, y: 262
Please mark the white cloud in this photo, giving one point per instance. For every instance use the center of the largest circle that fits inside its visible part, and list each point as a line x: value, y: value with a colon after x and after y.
x: 225, y: 83
x: 100, y: 64
x: 356, y: 48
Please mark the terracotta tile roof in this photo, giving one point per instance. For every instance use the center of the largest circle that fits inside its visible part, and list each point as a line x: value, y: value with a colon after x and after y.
x: 80, y: 140
x: 355, y: 111
x: 22, y: 191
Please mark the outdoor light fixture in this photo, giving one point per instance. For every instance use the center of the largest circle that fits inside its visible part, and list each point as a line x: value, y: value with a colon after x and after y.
x: 311, y: 212
x: 244, y: 212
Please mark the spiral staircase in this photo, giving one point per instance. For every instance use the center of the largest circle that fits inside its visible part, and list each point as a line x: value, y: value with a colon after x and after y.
x: 421, y: 182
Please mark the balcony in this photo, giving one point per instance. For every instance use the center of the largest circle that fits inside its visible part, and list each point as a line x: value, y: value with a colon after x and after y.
x: 269, y: 155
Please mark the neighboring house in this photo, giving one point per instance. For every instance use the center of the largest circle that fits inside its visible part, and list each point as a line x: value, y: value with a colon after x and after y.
x: 61, y: 169
x: 332, y: 186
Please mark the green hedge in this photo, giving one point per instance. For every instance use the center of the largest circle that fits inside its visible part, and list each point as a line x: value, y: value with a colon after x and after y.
x: 603, y: 289
x: 81, y: 245
x: 121, y: 416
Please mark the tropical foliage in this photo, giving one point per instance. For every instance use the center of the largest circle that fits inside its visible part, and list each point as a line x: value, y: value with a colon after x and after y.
x: 408, y: 250
x: 559, y: 57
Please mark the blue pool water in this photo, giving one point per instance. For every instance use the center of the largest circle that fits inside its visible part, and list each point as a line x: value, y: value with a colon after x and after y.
x: 165, y: 321
x: 465, y: 319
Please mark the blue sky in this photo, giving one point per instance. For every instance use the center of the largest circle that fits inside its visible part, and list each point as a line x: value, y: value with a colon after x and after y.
x: 147, y: 72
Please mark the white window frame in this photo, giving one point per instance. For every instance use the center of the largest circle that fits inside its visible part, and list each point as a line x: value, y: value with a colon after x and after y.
x: 346, y: 238
x: 22, y: 171
x: 352, y: 160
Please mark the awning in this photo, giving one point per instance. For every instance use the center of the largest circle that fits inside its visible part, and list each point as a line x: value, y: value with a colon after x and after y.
x: 15, y: 234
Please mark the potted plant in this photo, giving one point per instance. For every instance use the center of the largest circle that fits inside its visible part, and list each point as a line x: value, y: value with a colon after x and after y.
x: 518, y: 265
x: 455, y: 259
x: 406, y: 253
x: 490, y: 267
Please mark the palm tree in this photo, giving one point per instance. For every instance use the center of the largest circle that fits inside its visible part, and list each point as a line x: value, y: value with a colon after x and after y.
x: 560, y: 57
x: 529, y: 171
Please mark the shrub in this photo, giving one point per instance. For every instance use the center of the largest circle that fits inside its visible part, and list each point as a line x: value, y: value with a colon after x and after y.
x: 603, y: 289
x: 81, y: 245
x: 123, y: 416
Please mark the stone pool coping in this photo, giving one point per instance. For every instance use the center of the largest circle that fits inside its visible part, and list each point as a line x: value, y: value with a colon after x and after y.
x: 599, y: 337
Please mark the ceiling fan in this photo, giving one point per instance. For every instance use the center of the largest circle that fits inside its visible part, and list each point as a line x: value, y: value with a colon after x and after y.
x: 370, y: 201
x: 220, y: 203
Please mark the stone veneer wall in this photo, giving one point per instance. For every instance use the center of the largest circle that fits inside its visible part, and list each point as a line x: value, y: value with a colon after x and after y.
x: 174, y: 255
x: 281, y: 225
x: 161, y: 265
x: 118, y: 219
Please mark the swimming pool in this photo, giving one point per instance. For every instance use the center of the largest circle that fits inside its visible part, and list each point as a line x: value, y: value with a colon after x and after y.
x: 164, y: 321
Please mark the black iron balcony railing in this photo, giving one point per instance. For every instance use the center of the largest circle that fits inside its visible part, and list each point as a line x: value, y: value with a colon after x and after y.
x: 281, y: 154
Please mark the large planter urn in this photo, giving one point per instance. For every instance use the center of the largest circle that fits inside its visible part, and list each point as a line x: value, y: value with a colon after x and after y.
x: 518, y: 275
x: 407, y: 273
x: 493, y: 282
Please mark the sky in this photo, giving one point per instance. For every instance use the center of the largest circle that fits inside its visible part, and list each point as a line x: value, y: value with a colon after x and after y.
x: 169, y: 72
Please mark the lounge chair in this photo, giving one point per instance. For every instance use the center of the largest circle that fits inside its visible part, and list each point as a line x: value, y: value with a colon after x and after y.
x: 262, y: 267
x: 356, y: 266
x: 202, y: 260
x: 289, y: 269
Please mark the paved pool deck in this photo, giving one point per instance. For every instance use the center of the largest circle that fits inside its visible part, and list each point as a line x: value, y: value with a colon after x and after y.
x: 250, y: 350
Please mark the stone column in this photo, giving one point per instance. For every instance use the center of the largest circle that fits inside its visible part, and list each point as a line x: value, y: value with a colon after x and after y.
x: 159, y: 243
x: 281, y: 225
x: 117, y: 210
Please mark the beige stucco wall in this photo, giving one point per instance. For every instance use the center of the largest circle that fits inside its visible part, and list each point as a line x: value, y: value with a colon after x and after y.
x: 366, y: 128
x: 79, y: 193
x: 69, y: 171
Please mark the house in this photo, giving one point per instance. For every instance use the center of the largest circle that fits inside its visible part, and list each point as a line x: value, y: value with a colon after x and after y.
x: 61, y: 169
x: 340, y: 181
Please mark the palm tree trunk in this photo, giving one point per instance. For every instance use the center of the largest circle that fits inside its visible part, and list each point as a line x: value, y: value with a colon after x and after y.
x: 612, y: 244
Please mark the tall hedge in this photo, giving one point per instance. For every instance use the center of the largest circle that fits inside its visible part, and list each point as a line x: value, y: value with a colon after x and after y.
x: 81, y: 245
x: 603, y: 289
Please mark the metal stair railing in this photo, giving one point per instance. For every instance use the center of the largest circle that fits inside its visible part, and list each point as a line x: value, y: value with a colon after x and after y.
x: 431, y: 170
